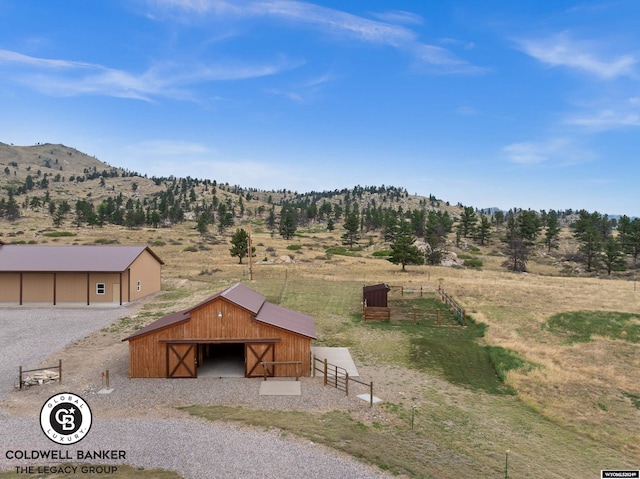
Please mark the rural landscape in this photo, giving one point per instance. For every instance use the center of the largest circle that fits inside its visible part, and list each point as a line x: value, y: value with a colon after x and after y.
x: 538, y: 377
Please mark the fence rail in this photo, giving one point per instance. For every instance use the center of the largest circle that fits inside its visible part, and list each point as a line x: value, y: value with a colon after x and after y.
x: 275, y: 363
x: 397, y: 313
x: 338, y: 377
x: 459, y: 311
x: 413, y: 289
x: 37, y: 378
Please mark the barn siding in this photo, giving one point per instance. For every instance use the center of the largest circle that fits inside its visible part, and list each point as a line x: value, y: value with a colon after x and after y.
x: 10, y: 287
x: 145, y: 269
x: 148, y: 356
x: 71, y: 287
x: 37, y: 288
x: 109, y: 279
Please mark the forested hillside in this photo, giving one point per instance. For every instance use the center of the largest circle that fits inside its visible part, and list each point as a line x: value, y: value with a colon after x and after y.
x: 54, y: 187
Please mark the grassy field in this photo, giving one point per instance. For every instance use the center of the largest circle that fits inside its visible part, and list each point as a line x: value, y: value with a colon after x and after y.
x: 547, y: 367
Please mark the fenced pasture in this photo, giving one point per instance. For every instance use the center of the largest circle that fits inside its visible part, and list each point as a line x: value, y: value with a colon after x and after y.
x: 426, y: 304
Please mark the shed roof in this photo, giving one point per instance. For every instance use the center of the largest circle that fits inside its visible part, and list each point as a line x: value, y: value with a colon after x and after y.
x: 376, y: 287
x: 69, y: 258
x: 250, y: 300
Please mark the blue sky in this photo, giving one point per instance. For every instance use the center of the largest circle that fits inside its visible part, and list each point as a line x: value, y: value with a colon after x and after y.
x: 530, y: 104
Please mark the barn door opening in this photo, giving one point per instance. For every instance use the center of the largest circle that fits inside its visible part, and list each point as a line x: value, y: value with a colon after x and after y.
x: 181, y: 361
x: 221, y: 360
x: 255, y: 353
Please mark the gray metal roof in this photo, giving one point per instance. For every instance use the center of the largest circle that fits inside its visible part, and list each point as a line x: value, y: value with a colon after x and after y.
x: 68, y: 259
x: 250, y: 300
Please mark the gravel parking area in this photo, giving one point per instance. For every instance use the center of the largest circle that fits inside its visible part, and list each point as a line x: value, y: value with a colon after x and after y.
x: 140, y: 417
x: 30, y: 334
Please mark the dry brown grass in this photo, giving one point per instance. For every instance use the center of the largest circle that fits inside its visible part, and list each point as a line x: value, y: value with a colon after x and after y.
x: 580, y: 386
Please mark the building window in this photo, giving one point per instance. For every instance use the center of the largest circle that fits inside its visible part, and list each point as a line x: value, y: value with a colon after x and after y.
x: 101, y: 288
x: 139, y: 286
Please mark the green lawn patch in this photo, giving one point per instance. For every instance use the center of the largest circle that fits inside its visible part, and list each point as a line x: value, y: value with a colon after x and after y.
x: 581, y: 326
x: 451, y: 352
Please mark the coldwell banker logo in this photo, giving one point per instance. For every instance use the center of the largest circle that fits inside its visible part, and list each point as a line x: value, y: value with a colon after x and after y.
x: 65, y: 418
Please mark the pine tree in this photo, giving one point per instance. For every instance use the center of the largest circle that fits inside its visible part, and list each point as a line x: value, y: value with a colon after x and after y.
x: 552, y: 233
x: 352, y: 225
x: 403, y: 249
x: 613, y: 255
x: 240, y: 244
x: 287, y: 223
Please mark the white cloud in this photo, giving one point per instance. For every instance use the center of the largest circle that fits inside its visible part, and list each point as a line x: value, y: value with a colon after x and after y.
x: 155, y: 148
x: 606, y: 120
x: 561, y: 50
x: 7, y: 56
x: 72, y: 78
x: 560, y: 151
x: 399, y: 16
x: 329, y: 21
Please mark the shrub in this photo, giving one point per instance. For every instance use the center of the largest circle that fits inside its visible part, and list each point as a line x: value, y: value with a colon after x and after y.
x: 190, y: 249
x: 105, y: 241
x: 294, y: 247
x: 340, y: 251
x: 382, y: 253
x: 473, y: 263
x: 56, y: 234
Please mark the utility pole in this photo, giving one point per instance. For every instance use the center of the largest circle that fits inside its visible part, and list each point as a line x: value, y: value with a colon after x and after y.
x: 250, y: 255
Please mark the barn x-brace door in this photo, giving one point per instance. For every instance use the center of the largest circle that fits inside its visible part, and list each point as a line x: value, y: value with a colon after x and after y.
x: 255, y: 353
x: 181, y: 361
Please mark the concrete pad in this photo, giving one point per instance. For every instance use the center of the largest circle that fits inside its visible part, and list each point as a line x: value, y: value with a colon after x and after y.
x: 340, y: 357
x: 105, y: 391
x: 280, y: 388
x: 367, y: 397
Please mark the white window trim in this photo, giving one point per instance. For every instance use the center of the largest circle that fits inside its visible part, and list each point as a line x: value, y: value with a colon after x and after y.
x: 100, y: 286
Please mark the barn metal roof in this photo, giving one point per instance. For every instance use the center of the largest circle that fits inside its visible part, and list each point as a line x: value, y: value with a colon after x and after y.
x: 287, y: 319
x: 69, y: 258
x: 250, y: 300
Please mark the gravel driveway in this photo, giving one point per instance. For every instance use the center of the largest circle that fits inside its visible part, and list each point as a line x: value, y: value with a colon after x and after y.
x: 193, y: 447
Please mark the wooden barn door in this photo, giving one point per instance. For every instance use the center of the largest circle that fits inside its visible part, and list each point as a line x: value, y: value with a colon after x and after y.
x: 254, y: 354
x: 181, y: 361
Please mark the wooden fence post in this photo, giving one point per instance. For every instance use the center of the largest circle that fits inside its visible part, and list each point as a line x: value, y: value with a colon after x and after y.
x: 325, y: 371
x: 346, y: 384
x: 20, y: 380
x: 438, y: 316
x: 313, y: 365
x: 60, y: 370
x: 371, y: 395
x: 414, y: 315
x: 464, y: 317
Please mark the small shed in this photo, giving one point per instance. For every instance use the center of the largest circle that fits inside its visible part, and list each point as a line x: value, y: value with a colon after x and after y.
x: 375, y: 295
x: 77, y: 273
x: 237, y: 319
